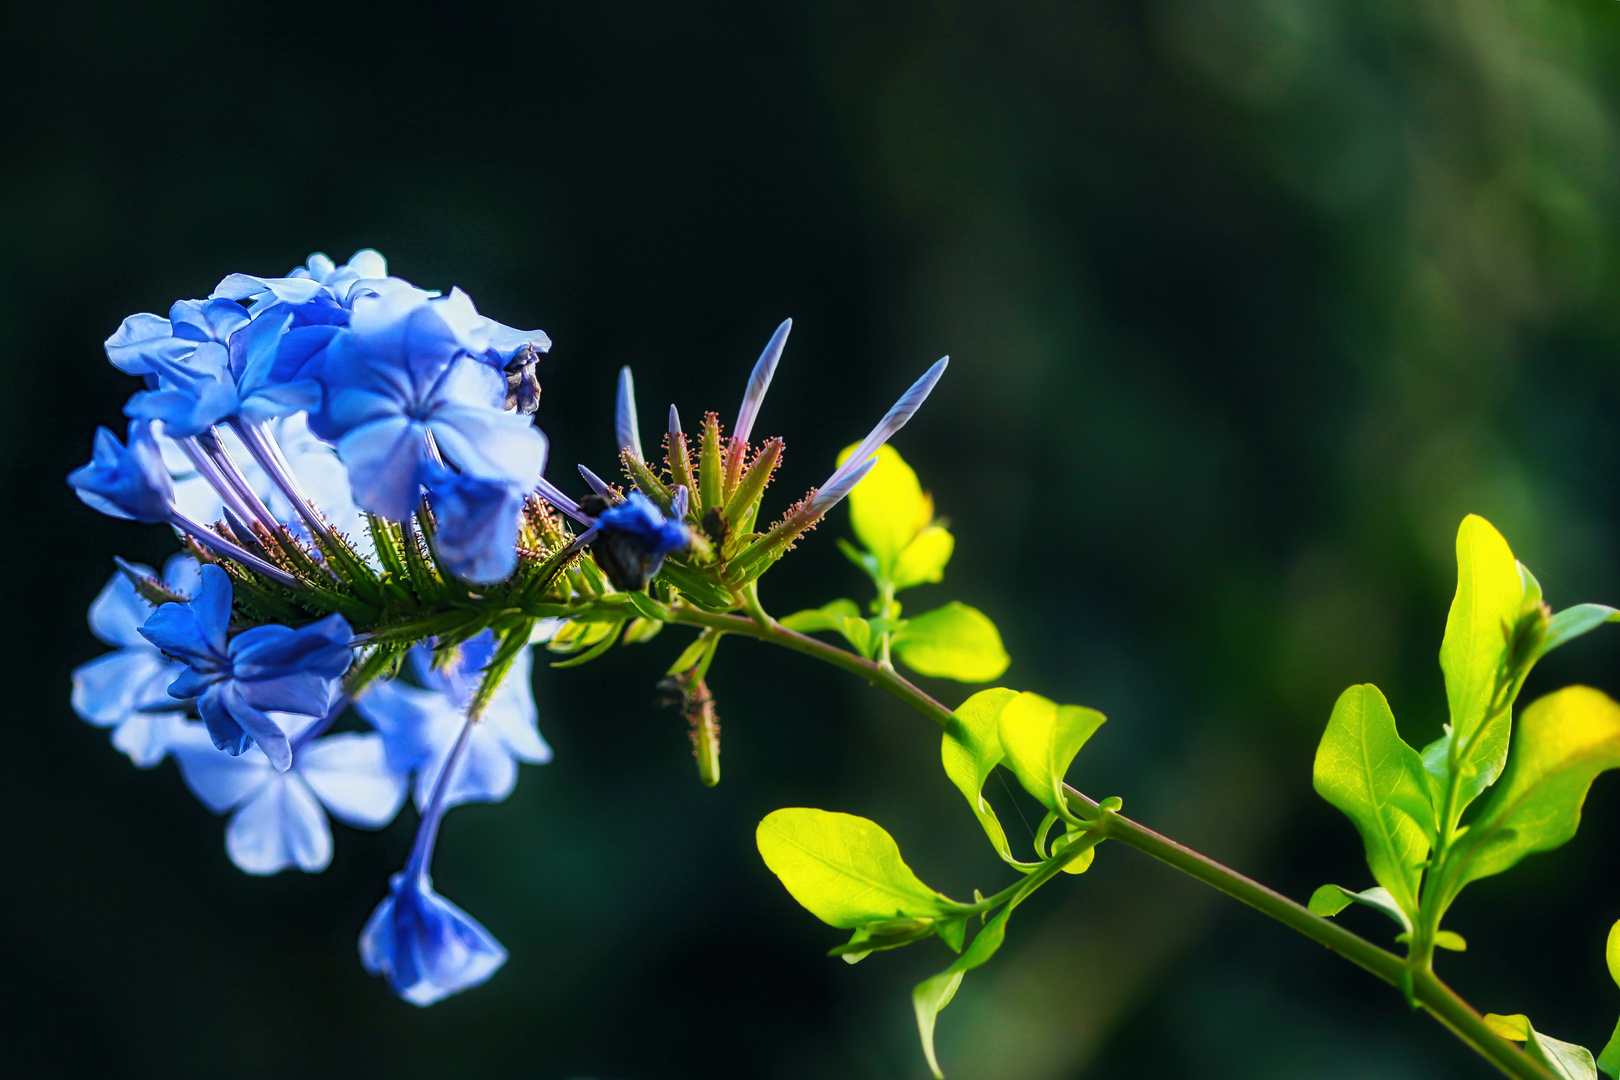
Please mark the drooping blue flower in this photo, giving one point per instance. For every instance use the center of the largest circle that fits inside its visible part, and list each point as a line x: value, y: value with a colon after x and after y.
x: 237, y: 680
x: 477, y: 523
x: 427, y: 947
x: 280, y: 818
x: 126, y: 480
x: 632, y: 540
x: 128, y: 689
x: 405, y: 378
x: 420, y: 725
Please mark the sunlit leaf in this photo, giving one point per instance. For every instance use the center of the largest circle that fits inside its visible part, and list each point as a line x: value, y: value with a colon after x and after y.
x: 923, y: 560
x: 1081, y: 862
x: 932, y: 995
x: 1565, y: 1060
x: 845, y: 869
x: 970, y: 749
x: 1564, y: 741
x: 642, y: 630
x: 1040, y: 738
x: 826, y: 617
x: 1364, y: 768
x: 952, y: 642
x: 888, y: 508
x: 1490, y: 595
x: 1332, y: 899
x: 1609, y: 1060
x: 858, y: 632
x: 1450, y: 939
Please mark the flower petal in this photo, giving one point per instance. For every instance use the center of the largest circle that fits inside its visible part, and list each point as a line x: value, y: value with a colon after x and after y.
x: 349, y: 773
x: 281, y: 825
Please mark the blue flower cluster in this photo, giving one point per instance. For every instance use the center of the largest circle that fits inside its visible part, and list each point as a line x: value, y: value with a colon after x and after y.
x: 353, y: 467
x: 292, y: 407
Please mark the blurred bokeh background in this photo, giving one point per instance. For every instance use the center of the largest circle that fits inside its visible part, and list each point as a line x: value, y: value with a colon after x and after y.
x: 1248, y: 301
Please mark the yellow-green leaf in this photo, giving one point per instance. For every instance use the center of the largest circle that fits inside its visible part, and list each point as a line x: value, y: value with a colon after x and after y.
x: 952, y: 642
x: 827, y: 617
x: 932, y: 995
x: 1331, y: 899
x: 889, y: 508
x: 970, y: 749
x: 923, y: 560
x: 1563, y: 742
x: 1565, y: 1060
x: 1609, y: 1059
x: 1490, y: 594
x: 1040, y: 738
x: 844, y: 869
x: 1364, y: 768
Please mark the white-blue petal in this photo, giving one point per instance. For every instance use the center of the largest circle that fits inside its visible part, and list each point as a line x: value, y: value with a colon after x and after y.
x: 108, y: 689
x: 280, y: 825
x: 219, y: 780
x: 117, y: 612
x: 147, y: 737
x: 349, y: 773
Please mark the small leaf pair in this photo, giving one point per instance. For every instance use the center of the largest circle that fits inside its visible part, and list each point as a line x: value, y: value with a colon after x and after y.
x: 952, y: 642
x: 1035, y: 738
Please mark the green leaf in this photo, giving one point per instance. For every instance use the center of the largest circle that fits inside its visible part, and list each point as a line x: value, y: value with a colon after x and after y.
x: 1450, y: 939
x: 971, y: 749
x: 576, y: 634
x: 883, y: 935
x: 865, y: 560
x: 1572, y: 622
x: 889, y: 508
x: 932, y: 995
x: 826, y: 617
x: 858, y: 632
x: 1040, y: 738
x: 1564, y: 741
x: 689, y: 656
x: 923, y: 560
x: 1565, y: 1060
x: 1609, y: 1059
x: 1365, y: 769
x: 1490, y: 596
x: 952, y: 642
x: 1081, y: 862
x: 1329, y: 900
x: 642, y: 630
x: 844, y: 869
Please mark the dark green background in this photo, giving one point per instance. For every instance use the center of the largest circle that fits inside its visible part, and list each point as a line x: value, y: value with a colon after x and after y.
x: 1248, y: 302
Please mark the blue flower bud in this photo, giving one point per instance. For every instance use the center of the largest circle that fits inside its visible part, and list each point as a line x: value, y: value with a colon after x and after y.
x: 632, y: 540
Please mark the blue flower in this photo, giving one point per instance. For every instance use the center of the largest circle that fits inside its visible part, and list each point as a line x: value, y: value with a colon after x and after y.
x: 127, y: 690
x: 632, y: 539
x: 280, y: 818
x: 219, y: 381
x: 477, y: 523
x: 237, y: 681
x: 420, y: 725
x: 427, y: 947
x: 405, y: 378
x: 143, y: 343
x: 126, y: 481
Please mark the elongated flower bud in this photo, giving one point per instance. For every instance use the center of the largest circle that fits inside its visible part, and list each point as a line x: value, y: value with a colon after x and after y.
x: 759, y: 381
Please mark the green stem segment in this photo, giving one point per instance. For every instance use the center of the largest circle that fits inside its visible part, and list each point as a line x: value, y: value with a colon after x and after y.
x: 1426, y: 988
